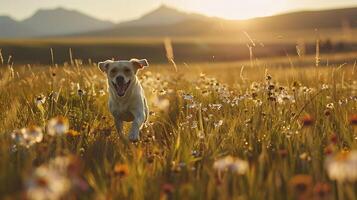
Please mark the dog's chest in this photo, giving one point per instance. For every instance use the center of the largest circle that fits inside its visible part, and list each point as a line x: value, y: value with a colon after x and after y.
x: 121, y: 111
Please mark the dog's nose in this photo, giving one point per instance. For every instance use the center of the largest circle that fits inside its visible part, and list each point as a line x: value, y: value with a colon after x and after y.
x: 120, y: 80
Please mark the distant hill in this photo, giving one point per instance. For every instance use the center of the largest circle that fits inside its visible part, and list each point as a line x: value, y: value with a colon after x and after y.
x: 167, y: 21
x: 61, y: 21
x: 57, y: 21
x: 306, y: 20
x: 11, y: 28
x: 164, y: 15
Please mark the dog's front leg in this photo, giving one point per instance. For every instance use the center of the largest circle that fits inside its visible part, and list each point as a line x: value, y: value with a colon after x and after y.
x: 119, y: 126
x: 135, y: 128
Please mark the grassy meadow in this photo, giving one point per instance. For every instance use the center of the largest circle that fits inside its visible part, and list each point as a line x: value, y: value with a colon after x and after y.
x: 221, y: 48
x: 261, y: 129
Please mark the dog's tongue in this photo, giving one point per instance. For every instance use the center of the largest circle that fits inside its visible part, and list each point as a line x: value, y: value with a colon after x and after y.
x: 121, y: 89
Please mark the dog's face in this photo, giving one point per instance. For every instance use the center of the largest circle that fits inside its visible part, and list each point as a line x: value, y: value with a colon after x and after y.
x: 121, y: 73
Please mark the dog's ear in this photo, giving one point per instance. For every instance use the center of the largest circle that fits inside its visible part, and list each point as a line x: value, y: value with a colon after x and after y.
x: 139, y: 64
x: 103, y: 66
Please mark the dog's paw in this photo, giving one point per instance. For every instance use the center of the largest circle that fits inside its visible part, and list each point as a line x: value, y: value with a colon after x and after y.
x: 134, y: 137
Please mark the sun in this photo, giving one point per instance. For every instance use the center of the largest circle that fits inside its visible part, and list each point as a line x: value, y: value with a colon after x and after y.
x: 239, y: 9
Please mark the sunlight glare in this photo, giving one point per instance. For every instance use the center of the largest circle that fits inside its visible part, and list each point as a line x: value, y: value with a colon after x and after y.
x: 240, y: 9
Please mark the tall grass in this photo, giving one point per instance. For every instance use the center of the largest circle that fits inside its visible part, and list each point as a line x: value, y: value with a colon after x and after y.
x: 284, y: 123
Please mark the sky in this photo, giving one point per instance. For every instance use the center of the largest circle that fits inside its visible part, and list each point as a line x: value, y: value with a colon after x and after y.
x: 122, y: 10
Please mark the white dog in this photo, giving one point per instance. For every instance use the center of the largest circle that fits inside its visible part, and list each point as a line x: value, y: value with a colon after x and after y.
x: 127, y: 100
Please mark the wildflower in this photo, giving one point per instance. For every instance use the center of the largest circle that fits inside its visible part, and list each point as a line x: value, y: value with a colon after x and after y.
x: 325, y: 87
x: 18, y: 136
x: 176, y: 167
x: 271, y: 98
x: 353, y: 119
x: 60, y: 169
x: 343, y: 101
x: 342, y: 166
x: 195, y: 153
x: 334, y: 138
x: 101, y: 92
x: 268, y: 77
x: 27, y: 136
x: 34, y: 133
x: 222, y: 163
x: 330, y: 106
x: 218, y: 124
x: 296, y: 84
x: 329, y: 149
x: 283, y: 152
x: 258, y: 102
x: 57, y: 126
x: 301, y: 185
x: 162, y: 92
x: 188, y: 97
x: 216, y: 106
x: 47, y: 183
x: 55, y: 179
x: 205, y: 93
x: 53, y: 96
x: 194, y: 124
x: 254, y: 95
x: 321, y: 190
x: 162, y: 103
x: 39, y: 100
x: 305, y: 156
x: 121, y: 170
x: 282, y: 98
x: 271, y: 87
x: 80, y: 92
x: 307, y: 120
x: 167, y: 188
x: 235, y: 165
x: 166, y: 191
x: 327, y: 112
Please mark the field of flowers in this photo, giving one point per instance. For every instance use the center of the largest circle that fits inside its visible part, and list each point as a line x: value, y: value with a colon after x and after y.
x: 219, y: 131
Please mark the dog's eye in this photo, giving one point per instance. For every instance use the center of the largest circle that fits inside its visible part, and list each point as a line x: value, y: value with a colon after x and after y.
x: 113, y: 72
x: 126, y: 70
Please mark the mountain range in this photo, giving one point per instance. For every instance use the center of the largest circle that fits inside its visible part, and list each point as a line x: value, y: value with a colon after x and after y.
x: 167, y: 21
x: 57, y: 21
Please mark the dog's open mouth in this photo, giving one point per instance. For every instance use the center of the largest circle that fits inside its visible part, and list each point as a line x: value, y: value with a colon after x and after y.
x: 121, y: 88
